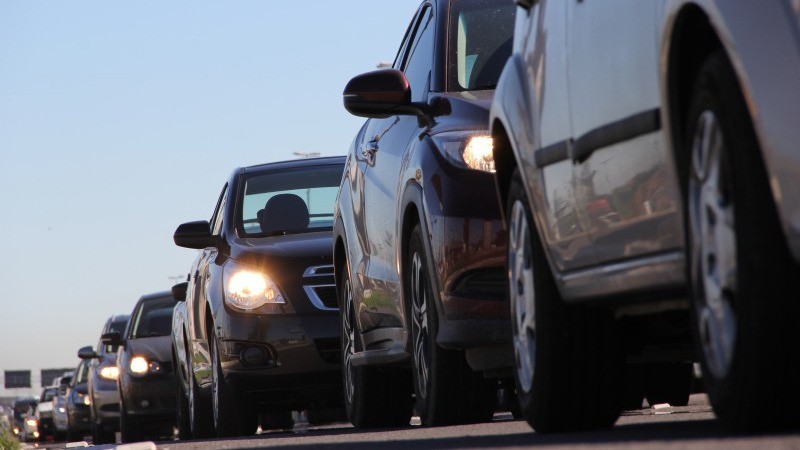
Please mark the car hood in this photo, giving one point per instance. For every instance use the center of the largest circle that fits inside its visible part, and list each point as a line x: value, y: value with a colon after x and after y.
x: 316, y: 245
x: 158, y: 348
x: 463, y: 110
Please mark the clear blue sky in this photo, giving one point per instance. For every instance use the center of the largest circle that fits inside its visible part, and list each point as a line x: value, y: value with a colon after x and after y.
x: 121, y: 120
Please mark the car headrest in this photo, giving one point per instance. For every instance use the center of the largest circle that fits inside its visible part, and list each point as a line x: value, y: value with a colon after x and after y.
x: 283, y: 212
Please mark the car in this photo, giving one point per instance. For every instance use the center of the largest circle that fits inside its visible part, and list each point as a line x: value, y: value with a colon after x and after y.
x: 25, y: 423
x: 419, y: 241
x: 60, y: 404
x: 103, y: 392
x: 44, y: 412
x: 78, y: 400
x: 646, y: 157
x: 258, y: 333
x: 145, y: 383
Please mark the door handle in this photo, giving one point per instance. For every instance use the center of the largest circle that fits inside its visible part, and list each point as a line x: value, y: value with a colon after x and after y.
x: 369, y: 149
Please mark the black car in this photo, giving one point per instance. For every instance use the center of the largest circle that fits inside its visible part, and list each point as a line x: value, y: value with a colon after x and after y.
x: 25, y: 424
x: 78, y: 400
x: 259, y: 332
x: 420, y: 244
x: 146, y: 384
x: 103, y: 375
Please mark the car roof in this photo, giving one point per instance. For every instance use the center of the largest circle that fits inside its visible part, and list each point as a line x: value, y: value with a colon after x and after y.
x: 156, y: 295
x: 302, y: 162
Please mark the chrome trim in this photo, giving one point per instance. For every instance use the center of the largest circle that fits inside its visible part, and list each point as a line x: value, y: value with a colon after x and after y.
x: 315, y: 300
x: 312, y: 271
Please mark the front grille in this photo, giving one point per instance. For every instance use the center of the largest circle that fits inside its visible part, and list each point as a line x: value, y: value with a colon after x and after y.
x: 329, y: 350
x: 319, y: 287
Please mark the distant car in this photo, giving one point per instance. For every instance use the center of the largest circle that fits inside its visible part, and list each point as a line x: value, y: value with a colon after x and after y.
x: 60, y: 405
x: 144, y: 357
x: 78, y: 402
x: 25, y: 424
x: 647, y: 157
x: 44, y: 412
x: 419, y: 241
x: 259, y: 331
x: 103, y: 392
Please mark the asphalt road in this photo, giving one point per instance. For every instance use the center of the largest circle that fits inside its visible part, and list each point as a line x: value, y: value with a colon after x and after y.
x: 692, y: 426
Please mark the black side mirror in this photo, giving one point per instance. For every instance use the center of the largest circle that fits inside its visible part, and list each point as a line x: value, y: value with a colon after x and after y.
x: 87, y: 352
x: 194, y: 235
x: 179, y: 291
x: 379, y: 94
x: 113, y: 339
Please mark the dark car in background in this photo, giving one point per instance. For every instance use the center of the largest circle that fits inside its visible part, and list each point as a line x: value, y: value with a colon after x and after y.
x: 103, y: 392
x: 78, y: 400
x: 419, y: 241
x: 25, y: 424
x: 145, y: 383
x: 258, y: 335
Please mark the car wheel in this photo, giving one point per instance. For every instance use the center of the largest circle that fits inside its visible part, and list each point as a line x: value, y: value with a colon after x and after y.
x: 743, y: 278
x: 668, y: 383
x: 447, y: 391
x: 200, y: 422
x: 129, y: 429
x: 230, y: 417
x: 568, y: 360
x: 182, y: 414
x: 374, y: 396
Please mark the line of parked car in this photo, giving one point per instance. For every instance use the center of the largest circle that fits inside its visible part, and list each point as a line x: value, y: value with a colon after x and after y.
x: 559, y: 204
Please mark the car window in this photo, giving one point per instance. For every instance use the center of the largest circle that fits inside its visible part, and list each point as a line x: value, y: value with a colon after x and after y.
x: 153, y: 318
x: 216, y: 218
x: 288, y: 201
x: 481, y: 33
x: 82, y: 372
x: 420, y: 57
x: 48, y: 394
x: 117, y: 326
x: 399, y: 59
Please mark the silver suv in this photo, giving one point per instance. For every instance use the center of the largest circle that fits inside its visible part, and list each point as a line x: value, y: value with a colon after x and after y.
x: 647, y: 157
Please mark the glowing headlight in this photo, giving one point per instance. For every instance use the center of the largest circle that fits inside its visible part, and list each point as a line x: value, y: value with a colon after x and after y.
x: 109, y: 372
x: 247, y: 290
x: 470, y: 149
x: 61, y: 409
x: 139, y: 365
x: 86, y: 400
x: 31, y: 422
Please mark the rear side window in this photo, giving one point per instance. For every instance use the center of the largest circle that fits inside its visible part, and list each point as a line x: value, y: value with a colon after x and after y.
x: 420, y: 57
x: 153, y: 318
x: 480, y: 33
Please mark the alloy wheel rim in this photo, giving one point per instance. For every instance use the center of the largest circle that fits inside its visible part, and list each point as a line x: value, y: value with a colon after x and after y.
x: 520, y: 273
x: 420, y: 330
x: 714, y: 253
x: 348, y: 319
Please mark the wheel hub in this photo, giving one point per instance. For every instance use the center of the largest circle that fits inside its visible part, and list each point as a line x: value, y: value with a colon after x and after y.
x: 522, y: 296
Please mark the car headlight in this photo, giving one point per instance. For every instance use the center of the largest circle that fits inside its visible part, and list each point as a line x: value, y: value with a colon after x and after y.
x: 469, y: 149
x: 61, y: 409
x: 139, y: 365
x: 110, y: 373
x: 248, y: 289
x: 31, y: 422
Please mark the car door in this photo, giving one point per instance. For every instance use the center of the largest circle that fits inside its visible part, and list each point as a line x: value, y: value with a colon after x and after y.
x: 542, y: 45
x: 197, y: 299
x: 384, y: 146
x: 622, y: 183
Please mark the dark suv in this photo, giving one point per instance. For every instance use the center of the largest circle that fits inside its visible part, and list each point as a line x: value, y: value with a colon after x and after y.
x: 419, y: 242
x: 259, y: 330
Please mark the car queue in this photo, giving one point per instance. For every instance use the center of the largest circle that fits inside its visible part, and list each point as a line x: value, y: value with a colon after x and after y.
x: 525, y: 212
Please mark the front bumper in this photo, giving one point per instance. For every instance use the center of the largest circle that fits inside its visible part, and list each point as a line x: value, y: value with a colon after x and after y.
x: 105, y: 404
x: 301, y: 360
x: 79, y: 418
x: 148, y: 396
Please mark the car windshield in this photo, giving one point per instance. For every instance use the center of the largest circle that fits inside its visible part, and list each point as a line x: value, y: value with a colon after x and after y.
x: 153, y: 318
x: 82, y: 372
x: 117, y: 326
x: 297, y: 200
x: 48, y: 394
x: 480, y: 42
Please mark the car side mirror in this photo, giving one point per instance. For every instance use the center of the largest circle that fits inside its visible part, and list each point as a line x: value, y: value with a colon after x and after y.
x: 113, y: 339
x: 179, y: 291
x: 194, y: 235
x: 379, y: 94
x: 87, y: 352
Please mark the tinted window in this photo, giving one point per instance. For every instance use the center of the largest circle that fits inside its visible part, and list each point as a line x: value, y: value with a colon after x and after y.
x: 289, y: 201
x: 216, y: 218
x: 82, y: 372
x: 480, y: 42
x: 116, y: 327
x: 153, y: 318
x: 420, y: 57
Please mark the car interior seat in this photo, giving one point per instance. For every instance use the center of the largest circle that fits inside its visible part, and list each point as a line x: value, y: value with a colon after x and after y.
x: 283, y: 212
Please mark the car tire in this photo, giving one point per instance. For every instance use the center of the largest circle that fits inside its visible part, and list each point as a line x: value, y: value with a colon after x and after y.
x: 129, y: 429
x: 447, y: 391
x: 568, y: 358
x: 743, y: 278
x: 668, y: 383
x: 182, y: 415
x: 101, y: 435
x: 374, y: 396
x: 231, y: 418
x: 200, y: 420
